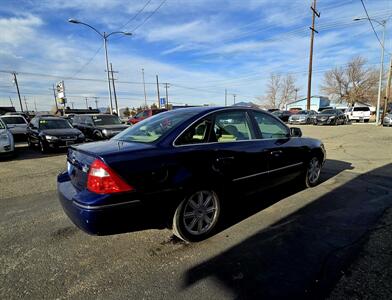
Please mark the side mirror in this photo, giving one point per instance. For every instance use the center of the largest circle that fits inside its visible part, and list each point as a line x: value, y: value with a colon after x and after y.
x: 295, y: 132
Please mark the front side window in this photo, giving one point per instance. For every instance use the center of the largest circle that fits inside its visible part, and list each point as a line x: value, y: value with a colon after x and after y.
x: 231, y: 126
x: 270, y: 128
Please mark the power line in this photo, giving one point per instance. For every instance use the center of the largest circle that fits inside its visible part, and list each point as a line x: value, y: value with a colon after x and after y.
x: 88, y: 62
x: 136, y: 15
x: 371, y: 23
x: 148, y: 17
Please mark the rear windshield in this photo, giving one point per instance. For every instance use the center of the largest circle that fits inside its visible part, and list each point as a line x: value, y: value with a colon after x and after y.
x: 302, y: 112
x: 329, y: 111
x: 151, y: 129
x: 106, y: 120
x: 14, y: 120
x: 53, y: 124
x: 361, y: 109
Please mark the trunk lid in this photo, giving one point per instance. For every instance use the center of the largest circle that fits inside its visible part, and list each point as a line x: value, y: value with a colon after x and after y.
x: 80, y: 158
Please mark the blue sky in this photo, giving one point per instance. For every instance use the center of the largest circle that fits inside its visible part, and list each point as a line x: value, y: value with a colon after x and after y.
x: 200, y: 47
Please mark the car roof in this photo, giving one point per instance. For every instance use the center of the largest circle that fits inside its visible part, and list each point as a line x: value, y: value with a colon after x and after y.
x: 49, y: 118
x: 11, y: 116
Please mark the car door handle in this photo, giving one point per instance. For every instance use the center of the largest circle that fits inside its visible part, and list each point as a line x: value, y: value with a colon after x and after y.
x: 276, y: 152
x: 224, y: 159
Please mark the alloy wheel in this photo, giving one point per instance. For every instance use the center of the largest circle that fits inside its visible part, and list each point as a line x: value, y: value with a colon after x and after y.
x: 314, y: 170
x: 200, y: 212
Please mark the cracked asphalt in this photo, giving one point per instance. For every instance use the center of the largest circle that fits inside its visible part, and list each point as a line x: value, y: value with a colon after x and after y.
x: 282, y: 243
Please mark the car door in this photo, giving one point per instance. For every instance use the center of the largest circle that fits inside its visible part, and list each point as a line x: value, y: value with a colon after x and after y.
x: 222, y: 150
x: 285, y: 154
x: 235, y: 151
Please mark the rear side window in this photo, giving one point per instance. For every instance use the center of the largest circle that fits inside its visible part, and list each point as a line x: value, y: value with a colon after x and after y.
x: 196, y: 134
x: 231, y: 126
x: 270, y: 128
x: 361, y: 109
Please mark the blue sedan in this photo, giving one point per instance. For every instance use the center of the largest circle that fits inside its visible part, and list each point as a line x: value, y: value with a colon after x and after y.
x: 176, y: 169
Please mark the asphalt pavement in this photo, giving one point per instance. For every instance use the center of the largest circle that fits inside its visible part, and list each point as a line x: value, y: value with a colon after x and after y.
x: 281, y: 243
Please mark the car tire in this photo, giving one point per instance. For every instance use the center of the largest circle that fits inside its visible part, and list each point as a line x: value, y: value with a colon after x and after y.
x: 29, y: 144
x: 197, y: 215
x: 366, y: 120
x: 98, y: 135
x: 42, y: 147
x: 312, y: 173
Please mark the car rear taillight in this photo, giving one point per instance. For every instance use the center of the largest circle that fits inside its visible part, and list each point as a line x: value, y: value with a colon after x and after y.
x: 103, y: 180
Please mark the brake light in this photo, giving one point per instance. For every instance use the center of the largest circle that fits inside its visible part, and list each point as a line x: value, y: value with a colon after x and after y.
x: 103, y: 180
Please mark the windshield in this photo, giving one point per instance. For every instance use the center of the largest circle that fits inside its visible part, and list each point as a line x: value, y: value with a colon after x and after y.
x: 151, y: 129
x: 53, y: 124
x: 329, y: 111
x: 302, y: 112
x: 14, y: 120
x: 106, y: 120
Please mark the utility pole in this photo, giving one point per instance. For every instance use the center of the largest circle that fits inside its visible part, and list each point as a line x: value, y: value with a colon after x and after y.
x: 114, y: 88
x: 96, y: 102
x: 12, y: 104
x: 86, y: 99
x: 167, y: 95
x: 234, y: 95
x: 314, y: 14
x: 55, y: 100
x: 144, y: 87
x: 17, y: 89
x: 388, y: 90
x: 25, y: 101
x: 225, y: 97
x: 159, y: 99
x: 381, y: 75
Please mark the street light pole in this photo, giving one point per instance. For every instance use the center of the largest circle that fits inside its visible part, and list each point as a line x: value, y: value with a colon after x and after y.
x: 107, y: 71
x: 105, y: 37
x: 383, y: 23
x: 144, y: 87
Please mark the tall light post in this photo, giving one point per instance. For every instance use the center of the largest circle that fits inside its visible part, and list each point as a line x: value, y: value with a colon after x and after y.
x: 383, y: 24
x: 105, y: 37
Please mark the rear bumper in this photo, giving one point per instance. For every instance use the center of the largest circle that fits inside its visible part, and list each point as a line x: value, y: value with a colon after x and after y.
x: 298, y: 122
x: 359, y: 118
x: 103, y: 219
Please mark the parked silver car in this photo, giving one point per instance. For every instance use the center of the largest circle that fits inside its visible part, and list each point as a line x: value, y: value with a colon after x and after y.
x: 387, y: 120
x: 303, y: 117
x: 17, y: 125
x: 7, y: 145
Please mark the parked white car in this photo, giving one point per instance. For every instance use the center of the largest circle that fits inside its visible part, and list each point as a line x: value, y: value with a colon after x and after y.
x: 7, y: 145
x: 359, y: 113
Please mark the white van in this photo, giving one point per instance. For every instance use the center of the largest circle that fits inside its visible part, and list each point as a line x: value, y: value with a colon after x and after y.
x: 359, y: 113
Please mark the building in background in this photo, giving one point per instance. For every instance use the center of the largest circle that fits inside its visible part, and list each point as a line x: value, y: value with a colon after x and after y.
x: 316, y: 102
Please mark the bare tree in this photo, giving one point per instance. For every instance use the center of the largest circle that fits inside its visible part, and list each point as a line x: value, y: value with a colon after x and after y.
x: 352, y: 83
x: 273, y: 87
x: 287, y: 91
x: 280, y: 90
